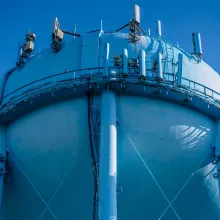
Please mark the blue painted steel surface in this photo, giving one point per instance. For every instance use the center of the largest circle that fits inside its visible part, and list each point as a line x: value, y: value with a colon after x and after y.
x: 51, y: 145
x: 108, y: 157
x: 90, y: 45
x: 166, y: 131
x: 167, y: 141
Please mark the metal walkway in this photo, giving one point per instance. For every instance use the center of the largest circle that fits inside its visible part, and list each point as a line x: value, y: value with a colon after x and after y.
x: 92, y: 78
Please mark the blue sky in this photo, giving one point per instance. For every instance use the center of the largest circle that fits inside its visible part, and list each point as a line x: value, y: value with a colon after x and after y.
x: 179, y: 19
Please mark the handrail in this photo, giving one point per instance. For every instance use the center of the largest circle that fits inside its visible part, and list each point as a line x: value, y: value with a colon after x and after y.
x: 96, y: 75
x: 51, y: 76
x: 204, y: 87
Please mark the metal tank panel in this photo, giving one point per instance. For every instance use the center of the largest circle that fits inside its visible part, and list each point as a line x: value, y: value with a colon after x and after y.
x: 168, y: 141
x: 90, y: 45
x: 44, y: 64
x: 52, y: 147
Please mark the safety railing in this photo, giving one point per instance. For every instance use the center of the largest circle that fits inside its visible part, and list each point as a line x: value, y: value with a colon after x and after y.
x: 75, y: 78
x: 201, y: 89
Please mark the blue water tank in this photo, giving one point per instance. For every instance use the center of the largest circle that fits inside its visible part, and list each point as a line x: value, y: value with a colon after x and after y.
x: 167, y: 131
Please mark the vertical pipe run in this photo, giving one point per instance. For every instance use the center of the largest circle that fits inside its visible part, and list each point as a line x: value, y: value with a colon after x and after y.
x: 108, y: 158
x: 143, y: 64
x: 180, y: 69
x: 106, y: 60
x: 125, y: 61
x: 160, y: 69
x: 2, y: 163
x: 158, y: 28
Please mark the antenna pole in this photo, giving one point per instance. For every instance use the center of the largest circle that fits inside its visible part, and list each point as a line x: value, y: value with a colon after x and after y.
x: 158, y: 28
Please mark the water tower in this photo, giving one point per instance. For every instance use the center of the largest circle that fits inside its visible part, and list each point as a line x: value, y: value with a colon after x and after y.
x: 110, y: 125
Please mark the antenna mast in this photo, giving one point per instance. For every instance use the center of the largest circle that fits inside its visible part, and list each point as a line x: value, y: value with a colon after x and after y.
x: 134, y: 26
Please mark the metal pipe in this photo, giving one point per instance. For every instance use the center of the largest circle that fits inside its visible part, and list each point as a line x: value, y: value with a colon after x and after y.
x: 160, y: 69
x: 108, y: 158
x: 158, y: 28
x: 2, y: 162
x: 180, y: 69
x: 106, y: 60
x: 125, y: 61
x: 143, y: 64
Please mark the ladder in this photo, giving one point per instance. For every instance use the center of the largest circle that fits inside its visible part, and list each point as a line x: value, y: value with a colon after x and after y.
x: 169, y: 58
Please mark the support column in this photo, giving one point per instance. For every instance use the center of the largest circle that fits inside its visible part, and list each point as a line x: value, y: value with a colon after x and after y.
x: 108, y: 158
x: 2, y: 163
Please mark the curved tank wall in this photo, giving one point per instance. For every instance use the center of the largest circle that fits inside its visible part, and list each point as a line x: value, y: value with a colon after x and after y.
x: 163, y: 148
x: 170, y: 141
x: 52, y: 147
